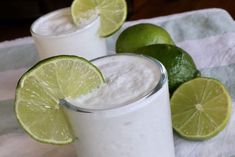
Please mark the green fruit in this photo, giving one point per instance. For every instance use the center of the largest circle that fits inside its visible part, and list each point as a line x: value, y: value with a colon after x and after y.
x: 112, y: 13
x: 141, y: 35
x: 200, y: 108
x: 178, y: 63
x: 39, y: 90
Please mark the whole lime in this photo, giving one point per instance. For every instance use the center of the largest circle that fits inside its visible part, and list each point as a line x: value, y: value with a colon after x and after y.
x: 178, y: 63
x: 141, y: 35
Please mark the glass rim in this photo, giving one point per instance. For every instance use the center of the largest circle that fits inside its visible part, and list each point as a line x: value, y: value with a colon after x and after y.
x: 55, y: 12
x: 163, y: 79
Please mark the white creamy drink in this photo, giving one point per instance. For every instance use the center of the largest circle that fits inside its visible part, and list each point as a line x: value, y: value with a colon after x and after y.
x: 129, y: 116
x: 55, y: 34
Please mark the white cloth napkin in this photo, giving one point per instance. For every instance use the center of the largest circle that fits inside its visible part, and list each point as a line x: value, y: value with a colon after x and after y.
x: 207, y: 35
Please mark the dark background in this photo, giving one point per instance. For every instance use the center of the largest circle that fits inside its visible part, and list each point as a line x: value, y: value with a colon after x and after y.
x: 16, y: 16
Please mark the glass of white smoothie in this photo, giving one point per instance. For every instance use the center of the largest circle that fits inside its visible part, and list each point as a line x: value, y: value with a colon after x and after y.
x: 55, y: 34
x: 128, y: 116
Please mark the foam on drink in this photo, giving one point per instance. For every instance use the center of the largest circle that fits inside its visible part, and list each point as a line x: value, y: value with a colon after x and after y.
x: 128, y: 79
x: 56, y: 34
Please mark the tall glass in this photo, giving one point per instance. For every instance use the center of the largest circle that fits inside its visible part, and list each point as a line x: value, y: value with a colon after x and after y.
x: 138, y: 129
x: 55, y: 34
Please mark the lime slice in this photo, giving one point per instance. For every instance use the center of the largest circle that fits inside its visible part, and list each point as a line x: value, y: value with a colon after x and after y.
x: 39, y: 90
x: 112, y: 13
x: 200, y: 108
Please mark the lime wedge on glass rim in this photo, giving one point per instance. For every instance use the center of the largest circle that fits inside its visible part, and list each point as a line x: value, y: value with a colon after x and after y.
x: 112, y: 13
x: 200, y: 108
x: 40, y: 89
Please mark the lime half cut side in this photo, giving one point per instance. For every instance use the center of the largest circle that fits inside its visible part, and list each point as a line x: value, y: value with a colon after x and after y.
x: 112, y: 13
x: 200, y: 108
x: 40, y: 89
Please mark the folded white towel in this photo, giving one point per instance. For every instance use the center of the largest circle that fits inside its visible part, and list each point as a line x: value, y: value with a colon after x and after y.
x: 208, y: 35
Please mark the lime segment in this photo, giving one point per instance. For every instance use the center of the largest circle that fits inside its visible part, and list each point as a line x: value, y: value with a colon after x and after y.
x: 39, y: 90
x: 112, y: 13
x: 200, y: 108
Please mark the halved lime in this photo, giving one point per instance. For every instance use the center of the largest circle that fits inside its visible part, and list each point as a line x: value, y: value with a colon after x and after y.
x: 39, y: 90
x: 112, y: 13
x: 200, y: 108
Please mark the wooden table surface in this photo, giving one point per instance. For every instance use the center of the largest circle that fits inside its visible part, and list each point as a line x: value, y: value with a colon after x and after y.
x: 138, y: 9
